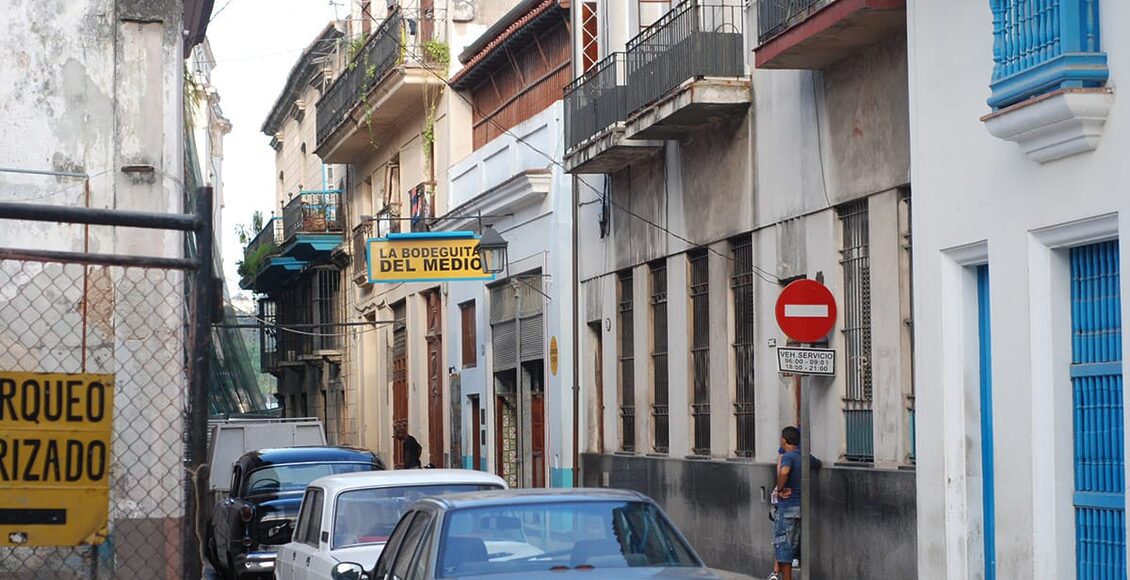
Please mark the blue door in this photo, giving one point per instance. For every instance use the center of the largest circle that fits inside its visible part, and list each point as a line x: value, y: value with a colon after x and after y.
x: 1096, y: 378
x: 988, y: 498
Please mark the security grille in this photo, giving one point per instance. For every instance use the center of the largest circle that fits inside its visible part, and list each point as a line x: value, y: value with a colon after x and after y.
x: 268, y: 336
x: 659, y: 396
x: 1097, y: 396
x: 700, y: 350
x: 326, y: 306
x: 627, y: 372
x: 741, y: 284
x: 855, y: 259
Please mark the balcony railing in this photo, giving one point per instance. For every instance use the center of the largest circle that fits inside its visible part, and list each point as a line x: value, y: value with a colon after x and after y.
x: 265, y: 243
x: 777, y: 16
x: 379, y: 56
x: 696, y: 38
x: 1043, y: 45
x: 312, y: 213
x: 596, y: 100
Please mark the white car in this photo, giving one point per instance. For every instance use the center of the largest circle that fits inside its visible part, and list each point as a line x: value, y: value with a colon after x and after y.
x: 349, y: 517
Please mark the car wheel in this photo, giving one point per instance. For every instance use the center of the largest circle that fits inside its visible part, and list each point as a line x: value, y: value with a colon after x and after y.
x: 210, y: 548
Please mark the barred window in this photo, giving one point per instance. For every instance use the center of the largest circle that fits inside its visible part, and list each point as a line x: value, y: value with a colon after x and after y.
x: 856, y: 261
x: 627, y: 372
x: 700, y: 350
x: 741, y: 284
x: 659, y: 395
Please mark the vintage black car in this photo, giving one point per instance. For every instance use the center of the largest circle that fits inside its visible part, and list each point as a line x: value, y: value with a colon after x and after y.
x: 246, y: 528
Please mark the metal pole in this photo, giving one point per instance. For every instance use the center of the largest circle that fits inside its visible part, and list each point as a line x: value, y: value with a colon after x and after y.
x: 805, y: 481
x: 98, y: 216
x: 576, y: 352
x: 202, y: 287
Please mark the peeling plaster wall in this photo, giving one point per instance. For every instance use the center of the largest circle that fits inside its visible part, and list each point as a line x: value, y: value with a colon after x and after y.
x: 87, y: 87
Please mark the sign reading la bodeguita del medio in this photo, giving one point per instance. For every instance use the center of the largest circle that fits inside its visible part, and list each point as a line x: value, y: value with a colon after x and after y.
x: 425, y: 257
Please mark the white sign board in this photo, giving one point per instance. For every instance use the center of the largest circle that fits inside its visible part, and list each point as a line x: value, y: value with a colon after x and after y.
x: 806, y: 361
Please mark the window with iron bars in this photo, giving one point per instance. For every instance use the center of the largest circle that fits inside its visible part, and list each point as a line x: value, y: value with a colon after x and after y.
x: 327, y: 286
x: 741, y: 285
x: 856, y: 261
x: 700, y: 350
x: 627, y: 371
x: 660, y: 408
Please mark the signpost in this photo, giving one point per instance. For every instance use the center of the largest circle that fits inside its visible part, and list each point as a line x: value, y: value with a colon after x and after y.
x: 55, y: 459
x: 806, y: 313
x: 425, y: 257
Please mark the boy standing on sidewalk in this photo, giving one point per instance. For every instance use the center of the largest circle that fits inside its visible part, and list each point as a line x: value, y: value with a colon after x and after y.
x: 786, y: 528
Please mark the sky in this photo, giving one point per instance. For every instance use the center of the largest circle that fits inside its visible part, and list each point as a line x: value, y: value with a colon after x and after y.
x: 255, y: 43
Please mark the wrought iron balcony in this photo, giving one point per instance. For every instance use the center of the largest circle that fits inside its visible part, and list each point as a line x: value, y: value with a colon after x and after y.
x: 596, y: 100
x: 312, y: 212
x: 379, y: 56
x: 265, y: 244
x: 813, y: 34
x: 697, y: 38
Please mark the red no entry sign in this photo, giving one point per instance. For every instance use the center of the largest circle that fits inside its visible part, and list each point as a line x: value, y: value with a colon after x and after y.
x: 806, y: 311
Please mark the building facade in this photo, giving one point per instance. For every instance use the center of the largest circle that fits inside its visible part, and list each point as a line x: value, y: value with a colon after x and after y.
x: 1018, y: 147
x: 290, y: 263
x: 706, y: 181
x: 390, y: 116
x: 510, y: 350
x: 94, y: 107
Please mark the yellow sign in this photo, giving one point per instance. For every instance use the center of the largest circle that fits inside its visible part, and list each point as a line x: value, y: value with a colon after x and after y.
x: 425, y: 257
x: 553, y: 355
x: 54, y: 458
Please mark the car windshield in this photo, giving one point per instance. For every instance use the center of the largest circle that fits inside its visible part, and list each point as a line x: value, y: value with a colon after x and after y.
x: 368, y: 516
x: 491, y: 540
x: 295, y: 477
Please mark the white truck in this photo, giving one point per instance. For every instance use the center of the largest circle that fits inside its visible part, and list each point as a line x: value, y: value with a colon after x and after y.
x: 231, y: 438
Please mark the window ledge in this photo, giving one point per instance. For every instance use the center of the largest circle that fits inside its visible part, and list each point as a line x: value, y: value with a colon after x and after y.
x: 1059, y: 124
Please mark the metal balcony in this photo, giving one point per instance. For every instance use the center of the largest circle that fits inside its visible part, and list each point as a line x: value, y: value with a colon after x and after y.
x: 813, y: 34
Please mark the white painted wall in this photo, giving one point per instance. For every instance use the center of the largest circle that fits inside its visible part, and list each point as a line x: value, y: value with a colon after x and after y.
x: 972, y: 188
x: 539, y: 237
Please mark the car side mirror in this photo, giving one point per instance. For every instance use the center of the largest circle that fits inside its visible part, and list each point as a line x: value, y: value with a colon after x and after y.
x: 348, y: 571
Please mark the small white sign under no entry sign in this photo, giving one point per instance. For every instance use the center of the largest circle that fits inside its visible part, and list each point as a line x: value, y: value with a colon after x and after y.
x: 806, y: 361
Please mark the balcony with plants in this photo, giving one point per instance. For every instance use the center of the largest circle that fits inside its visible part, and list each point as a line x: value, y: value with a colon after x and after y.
x: 309, y: 230
x: 814, y: 34
x: 685, y: 72
x: 392, y: 73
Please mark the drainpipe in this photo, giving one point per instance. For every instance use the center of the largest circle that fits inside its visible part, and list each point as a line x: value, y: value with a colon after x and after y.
x: 575, y: 18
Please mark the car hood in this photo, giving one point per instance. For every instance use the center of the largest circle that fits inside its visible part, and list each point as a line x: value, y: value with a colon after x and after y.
x: 366, y: 556
x: 621, y: 574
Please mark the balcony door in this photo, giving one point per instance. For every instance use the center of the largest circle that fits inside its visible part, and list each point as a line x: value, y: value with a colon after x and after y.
x: 435, y: 378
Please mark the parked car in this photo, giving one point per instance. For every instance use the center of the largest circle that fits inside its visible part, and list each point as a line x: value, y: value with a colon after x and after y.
x: 266, y: 489
x: 599, y: 533
x: 350, y: 517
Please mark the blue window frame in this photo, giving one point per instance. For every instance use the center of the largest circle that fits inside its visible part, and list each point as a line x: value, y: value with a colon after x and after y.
x: 985, y: 355
x: 1097, y: 402
x: 1044, y: 45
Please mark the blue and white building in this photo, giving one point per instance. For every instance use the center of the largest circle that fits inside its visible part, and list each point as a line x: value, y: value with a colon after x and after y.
x: 1019, y: 142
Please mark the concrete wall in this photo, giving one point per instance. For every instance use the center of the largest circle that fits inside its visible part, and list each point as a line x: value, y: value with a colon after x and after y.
x: 863, y: 520
x: 89, y: 87
x: 981, y: 200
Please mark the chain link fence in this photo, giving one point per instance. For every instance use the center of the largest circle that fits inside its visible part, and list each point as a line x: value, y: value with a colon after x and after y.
x: 132, y: 323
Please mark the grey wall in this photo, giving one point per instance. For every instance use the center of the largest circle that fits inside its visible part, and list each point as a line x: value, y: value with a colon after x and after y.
x: 864, y: 519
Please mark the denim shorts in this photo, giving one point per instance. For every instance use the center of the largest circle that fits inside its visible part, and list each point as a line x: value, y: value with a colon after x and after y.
x: 786, y: 534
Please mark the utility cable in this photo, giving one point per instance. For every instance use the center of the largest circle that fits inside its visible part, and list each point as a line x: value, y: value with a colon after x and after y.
x: 757, y: 270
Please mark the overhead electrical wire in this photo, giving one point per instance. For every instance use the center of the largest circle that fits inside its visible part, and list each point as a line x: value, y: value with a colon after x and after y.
x: 757, y: 270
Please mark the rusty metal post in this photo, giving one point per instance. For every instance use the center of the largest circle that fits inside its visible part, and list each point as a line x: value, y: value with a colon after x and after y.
x: 199, y: 362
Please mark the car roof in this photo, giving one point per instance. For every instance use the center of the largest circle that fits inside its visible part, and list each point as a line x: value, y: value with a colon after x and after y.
x: 283, y: 455
x: 403, y: 478
x: 534, y: 496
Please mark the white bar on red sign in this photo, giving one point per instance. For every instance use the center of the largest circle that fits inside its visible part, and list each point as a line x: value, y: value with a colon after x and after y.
x: 806, y: 310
